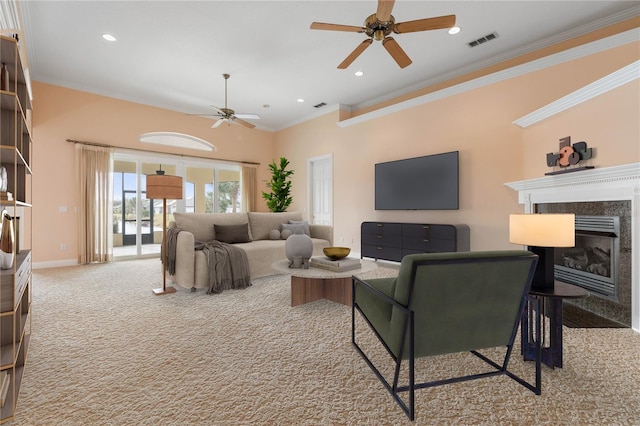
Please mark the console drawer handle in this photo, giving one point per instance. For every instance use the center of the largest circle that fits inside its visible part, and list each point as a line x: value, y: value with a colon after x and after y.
x: 425, y: 241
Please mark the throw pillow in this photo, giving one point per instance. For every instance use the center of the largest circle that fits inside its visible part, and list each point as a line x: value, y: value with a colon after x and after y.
x: 295, y: 228
x: 301, y: 222
x: 232, y: 233
x: 274, y: 235
x: 286, y: 233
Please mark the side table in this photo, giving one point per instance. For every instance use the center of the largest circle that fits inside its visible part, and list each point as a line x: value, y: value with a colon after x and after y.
x: 551, y: 306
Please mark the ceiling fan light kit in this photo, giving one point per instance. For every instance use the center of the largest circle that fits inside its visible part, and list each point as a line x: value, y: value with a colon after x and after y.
x: 380, y: 25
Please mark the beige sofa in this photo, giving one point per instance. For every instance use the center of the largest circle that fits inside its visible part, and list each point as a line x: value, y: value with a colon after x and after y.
x: 191, y: 265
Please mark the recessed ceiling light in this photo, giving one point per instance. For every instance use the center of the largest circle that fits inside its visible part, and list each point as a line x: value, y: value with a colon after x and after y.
x: 454, y: 30
x: 359, y: 73
x: 300, y: 100
x: 108, y: 37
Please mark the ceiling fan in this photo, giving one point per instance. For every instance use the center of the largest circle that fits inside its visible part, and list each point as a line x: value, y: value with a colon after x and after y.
x: 227, y: 115
x: 378, y: 27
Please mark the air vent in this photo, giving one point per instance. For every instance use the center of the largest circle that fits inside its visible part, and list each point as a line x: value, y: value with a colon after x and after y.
x: 320, y: 105
x: 483, y: 40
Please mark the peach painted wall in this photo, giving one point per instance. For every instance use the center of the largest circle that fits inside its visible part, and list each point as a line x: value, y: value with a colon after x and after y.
x: 609, y: 124
x: 478, y: 123
x: 61, y: 114
x: 493, y: 151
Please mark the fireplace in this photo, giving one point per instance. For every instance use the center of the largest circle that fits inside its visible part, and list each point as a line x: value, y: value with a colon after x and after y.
x: 604, y: 192
x: 593, y: 262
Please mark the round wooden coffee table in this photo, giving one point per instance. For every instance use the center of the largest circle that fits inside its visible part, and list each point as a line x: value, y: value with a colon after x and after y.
x: 309, y: 285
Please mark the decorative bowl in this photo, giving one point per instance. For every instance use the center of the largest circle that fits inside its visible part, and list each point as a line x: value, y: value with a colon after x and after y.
x: 335, y: 253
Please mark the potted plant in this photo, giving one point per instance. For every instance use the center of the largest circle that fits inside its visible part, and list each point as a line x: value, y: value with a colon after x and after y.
x: 279, y: 198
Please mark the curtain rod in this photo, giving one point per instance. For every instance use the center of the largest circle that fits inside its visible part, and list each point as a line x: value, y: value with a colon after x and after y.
x: 102, y: 145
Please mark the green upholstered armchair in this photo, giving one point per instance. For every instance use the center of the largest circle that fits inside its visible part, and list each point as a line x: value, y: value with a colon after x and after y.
x: 443, y: 303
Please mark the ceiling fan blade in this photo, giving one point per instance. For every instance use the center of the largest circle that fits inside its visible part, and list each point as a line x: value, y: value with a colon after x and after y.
x: 356, y: 52
x: 384, y: 10
x: 244, y: 123
x: 247, y: 116
x: 396, y: 52
x: 426, y: 24
x: 218, y: 123
x: 336, y: 27
x: 220, y: 111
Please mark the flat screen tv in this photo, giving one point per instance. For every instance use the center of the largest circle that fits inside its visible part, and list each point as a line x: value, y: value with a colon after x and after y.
x: 421, y: 183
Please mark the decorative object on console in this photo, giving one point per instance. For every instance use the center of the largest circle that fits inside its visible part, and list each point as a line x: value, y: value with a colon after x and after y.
x: 7, y: 242
x: 335, y: 253
x: 541, y: 233
x: 569, y: 155
x: 161, y: 186
x: 298, y: 245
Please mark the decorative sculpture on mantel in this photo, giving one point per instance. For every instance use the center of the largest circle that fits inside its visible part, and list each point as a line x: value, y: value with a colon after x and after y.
x: 569, y: 155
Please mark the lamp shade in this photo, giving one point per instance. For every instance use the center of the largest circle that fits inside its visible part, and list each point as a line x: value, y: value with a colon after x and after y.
x: 542, y: 230
x: 164, y: 187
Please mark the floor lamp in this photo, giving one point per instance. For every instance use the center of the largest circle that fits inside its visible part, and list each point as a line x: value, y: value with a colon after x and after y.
x: 541, y: 233
x: 168, y: 188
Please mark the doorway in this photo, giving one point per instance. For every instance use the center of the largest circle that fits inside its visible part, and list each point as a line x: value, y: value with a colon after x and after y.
x: 321, y: 189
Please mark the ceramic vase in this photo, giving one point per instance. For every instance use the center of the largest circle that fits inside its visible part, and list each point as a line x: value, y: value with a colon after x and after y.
x: 7, y: 242
x: 3, y: 179
x: 298, y: 245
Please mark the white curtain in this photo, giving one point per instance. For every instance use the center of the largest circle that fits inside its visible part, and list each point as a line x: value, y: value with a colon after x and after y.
x: 95, y: 168
x: 249, y: 187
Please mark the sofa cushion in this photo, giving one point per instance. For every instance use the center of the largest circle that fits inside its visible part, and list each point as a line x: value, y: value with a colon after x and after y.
x: 295, y: 228
x: 285, y: 233
x: 232, y: 233
x: 274, y: 235
x: 201, y: 225
x: 304, y: 223
x: 263, y: 223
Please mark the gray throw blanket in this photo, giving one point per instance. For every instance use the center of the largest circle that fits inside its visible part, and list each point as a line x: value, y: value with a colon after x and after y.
x: 227, y: 265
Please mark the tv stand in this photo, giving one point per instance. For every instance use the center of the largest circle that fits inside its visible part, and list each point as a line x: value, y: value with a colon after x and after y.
x: 394, y: 240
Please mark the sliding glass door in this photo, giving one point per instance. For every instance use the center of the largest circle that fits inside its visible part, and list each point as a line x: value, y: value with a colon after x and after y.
x: 208, y: 187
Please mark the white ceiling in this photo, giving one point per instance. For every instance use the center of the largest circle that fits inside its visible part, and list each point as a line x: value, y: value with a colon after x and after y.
x: 172, y: 54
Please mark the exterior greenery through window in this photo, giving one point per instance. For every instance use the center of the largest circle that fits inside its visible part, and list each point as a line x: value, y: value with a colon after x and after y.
x: 209, y: 187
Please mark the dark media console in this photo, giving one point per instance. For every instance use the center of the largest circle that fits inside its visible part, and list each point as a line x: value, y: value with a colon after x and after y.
x: 393, y: 240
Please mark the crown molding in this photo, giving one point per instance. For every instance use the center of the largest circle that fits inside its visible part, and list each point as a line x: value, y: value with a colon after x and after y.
x: 615, y: 79
x: 526, y: 68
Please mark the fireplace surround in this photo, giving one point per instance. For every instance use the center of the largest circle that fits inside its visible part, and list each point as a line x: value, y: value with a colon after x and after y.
x: 609, y: 192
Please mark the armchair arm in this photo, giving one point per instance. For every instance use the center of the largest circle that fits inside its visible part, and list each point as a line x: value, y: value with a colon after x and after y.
x: 383, y: 291
x: 375, y: 302
x: 324, y: 232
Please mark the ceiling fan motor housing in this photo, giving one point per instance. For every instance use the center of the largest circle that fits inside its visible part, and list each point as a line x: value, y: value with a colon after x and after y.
x: 376, y: 29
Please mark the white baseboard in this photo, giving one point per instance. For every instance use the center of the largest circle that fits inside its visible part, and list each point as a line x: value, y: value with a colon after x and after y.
x: 54, y: 264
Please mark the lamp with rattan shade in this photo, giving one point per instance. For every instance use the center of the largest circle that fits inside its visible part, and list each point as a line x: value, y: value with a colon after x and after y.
x: 541, y: 233
x: 164, y: 187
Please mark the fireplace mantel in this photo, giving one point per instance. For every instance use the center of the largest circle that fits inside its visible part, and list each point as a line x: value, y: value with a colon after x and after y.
x: 598, y: 184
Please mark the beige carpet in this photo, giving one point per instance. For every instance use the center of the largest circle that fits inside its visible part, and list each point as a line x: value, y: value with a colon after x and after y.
x: 106, y: 351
